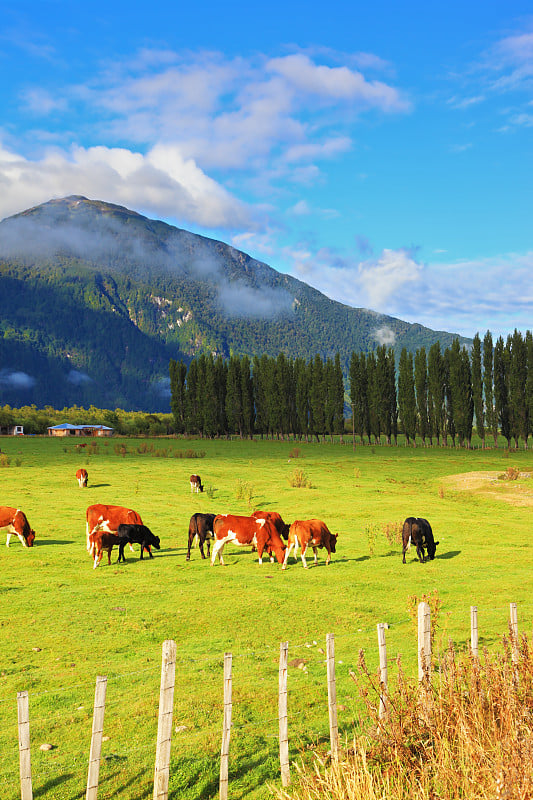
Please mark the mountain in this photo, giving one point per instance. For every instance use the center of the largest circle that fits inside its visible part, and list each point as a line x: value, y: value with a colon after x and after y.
x: 95, y: 299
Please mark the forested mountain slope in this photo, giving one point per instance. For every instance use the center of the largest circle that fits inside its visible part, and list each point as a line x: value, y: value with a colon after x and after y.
x: 95, y: 299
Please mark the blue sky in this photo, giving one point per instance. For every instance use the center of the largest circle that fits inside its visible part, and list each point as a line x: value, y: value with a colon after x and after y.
x: 380, y: 152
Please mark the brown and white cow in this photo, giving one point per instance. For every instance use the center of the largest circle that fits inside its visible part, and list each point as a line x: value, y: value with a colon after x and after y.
x: 82, y: 476
x: 244, y: 531
x: 16, y: 522
x: 100, y: 542
x: 201, y: 531
x: 100, y: 517
x: 310, y: 533
x: 417, y: 530
x: 196, y: 483
x: 281, y: 527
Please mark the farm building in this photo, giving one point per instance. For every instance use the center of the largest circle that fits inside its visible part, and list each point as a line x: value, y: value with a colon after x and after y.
x: 11, y: 430
x: 66, y: 429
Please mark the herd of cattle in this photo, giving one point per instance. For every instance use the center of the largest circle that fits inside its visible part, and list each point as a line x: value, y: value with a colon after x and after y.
x: 109, y: 526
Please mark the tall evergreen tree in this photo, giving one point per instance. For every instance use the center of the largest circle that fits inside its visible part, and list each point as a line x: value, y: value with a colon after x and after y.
x: 260, y: 387
x: 301, y: 379
x: 529, y: 382
x: 436, y: 392
x: 382, y: 389
x: 518, y: 405
x: 461, y: 392
x: 501, y: 389
x: 491, y: 416
x: 192, y: 415
x: 338, y: 414
x: 449, y: 427
x: 221, y: 379
x: 359, y: 396
x: 207, y: 399
x: 477, y: 388
x: 247, y: 398
x: 178, y: 375
x: 234, y: 397
x: 316, y: 398
x: 421, y: 387
x: 406, y: 396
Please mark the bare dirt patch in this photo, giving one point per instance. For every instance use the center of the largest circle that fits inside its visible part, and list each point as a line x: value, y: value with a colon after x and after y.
x: 517, y: 492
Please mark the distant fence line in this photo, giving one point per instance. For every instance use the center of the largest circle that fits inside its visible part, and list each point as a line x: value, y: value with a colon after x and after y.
x: 166, y: 702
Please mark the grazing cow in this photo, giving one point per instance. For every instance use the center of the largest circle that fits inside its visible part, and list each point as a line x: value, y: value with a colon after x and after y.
x: 201, y: 531
x: 312, y: 532
x: 196, y: 483
x: 243, y: 531
x: 281, y: 527
x: 82, y: 477
x: 16, y: 523
x: 100, y: 542
x: 108, y: 518
x: 418, y: 531
x: 140, y: 534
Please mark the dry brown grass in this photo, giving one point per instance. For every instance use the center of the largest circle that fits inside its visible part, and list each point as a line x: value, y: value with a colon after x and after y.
x: 468, y: 735
x: 495, y: 485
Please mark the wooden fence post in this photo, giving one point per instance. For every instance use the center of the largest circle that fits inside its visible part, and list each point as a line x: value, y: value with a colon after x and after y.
x: 383, y: 675
x: 164, y: 725
x: 283, y: 719
x: 96, y: 738
x: 424, y: 641
x: 332, y: 696
x: 23, y: 711
x: 474, y: 638
x: 515, y: 650
x: 226, y: 730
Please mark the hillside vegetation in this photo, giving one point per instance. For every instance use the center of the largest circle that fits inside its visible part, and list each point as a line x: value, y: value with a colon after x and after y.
x: 95, y: 300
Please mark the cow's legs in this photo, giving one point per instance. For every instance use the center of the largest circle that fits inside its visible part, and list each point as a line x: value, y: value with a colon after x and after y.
x: 217, y: 550
x: 287, y: 554
x: 8, y: 537
x: 315, y: 551
x: 328, y: 559
x: 304, y: 550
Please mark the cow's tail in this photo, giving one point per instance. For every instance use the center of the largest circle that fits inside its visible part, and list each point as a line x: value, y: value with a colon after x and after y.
x: 196, y: 539
x: 410, y: 539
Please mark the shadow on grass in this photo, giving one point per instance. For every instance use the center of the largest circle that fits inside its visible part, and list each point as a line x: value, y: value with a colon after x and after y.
x: 45, y: 542
x: 449, y: 554
x: 97, y: 485
x: 49, y: 786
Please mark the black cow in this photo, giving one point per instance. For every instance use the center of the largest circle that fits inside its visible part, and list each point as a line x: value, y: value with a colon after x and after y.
x: 139, y: 534
x: 200, y: 527
x: 418, y: 531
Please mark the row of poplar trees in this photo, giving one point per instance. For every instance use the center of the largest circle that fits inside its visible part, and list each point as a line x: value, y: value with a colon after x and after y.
x: 434, y: 396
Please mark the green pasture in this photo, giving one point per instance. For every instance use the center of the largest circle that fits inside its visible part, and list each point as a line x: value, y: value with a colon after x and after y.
x: 63, y: 623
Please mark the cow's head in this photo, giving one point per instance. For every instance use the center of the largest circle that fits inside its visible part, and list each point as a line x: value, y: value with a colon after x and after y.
x: 155, y: 542
x: 333, y: 542
x: 30, y: 537
x: 431, y: 546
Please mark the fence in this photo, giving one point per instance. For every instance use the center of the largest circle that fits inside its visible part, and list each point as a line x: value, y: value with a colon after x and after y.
x: 166, y: 701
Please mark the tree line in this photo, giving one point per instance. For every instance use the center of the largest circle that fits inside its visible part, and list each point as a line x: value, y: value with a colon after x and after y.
x: 435, y: 395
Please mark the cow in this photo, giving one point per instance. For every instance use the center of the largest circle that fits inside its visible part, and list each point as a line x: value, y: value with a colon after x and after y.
x: 201, y: 531
x: 196, y: 483
x: 100, y: 542
x: 82, y: 476
x: 243, y: 531
x: 281, y: 527
x: 417, y: 531
x: 140, y: 534
x: 16, y: 523
x: 108, y: 518
x: 310, y: 532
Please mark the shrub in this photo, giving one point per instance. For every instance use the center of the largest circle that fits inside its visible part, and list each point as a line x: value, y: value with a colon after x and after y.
x: 371, y: 532
x: 244, y: 491
x: 295, y: 452
x: 510, y: 474
x: 4, y: 460
x: 299, y: 480
x: 393, y: 532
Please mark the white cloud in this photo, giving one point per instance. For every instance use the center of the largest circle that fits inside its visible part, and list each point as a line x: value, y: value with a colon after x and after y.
x: 162, y: 182
x: 385, y: 335
x: 16, y: 379
x: 384, y: 277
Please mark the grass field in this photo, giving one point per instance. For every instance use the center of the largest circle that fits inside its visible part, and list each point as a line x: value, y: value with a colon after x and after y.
x: 63, y: 623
